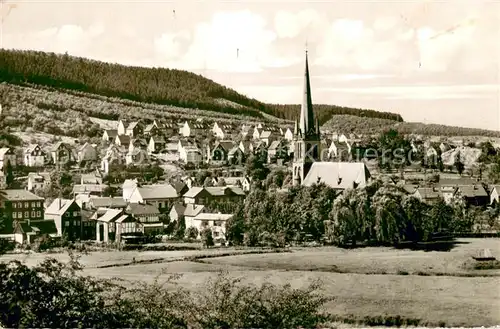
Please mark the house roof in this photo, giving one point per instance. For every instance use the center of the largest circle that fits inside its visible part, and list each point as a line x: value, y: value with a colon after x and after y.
x: 226, y: 145
x: 233, y: 180
x: 84, y: 146
x: 47, y: 226
x: 193, y: 191
x: 138, y: 209
x: 497, y: 187
x: 124, y: 218
x: 234, y: 150
x: 38, y: 227
x: 59, y: 206
x: 20, y: 195
x: 171, y: 146
x: 90, y: 188
x: 110, y: 215
x: 428, y: 193
x: 124, y: 139
x: 274, y: 145
x: 224, y: 190
x: 472, y: 191
x: 3, y: 151
x: 193, y: 210
x: 108, y: 202
x: 90, y: 179
x: 58, y: 145
x: 31, y: 148
x: 158, y: 139
x: 212, y: 216
x: 410, y: 188
x: 157, y: 191
x: 111, y: 132
x: 265, y: 134
x: 149, y: 128
x: 132, y: 125
x: 42, y: 175
x: 457, y: 182
x: 179, y: 186
x: 179, y: 208
x: 338, y: 175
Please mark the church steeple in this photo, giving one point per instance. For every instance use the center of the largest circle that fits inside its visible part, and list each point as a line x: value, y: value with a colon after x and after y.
x: 306, y: 124
x: 307, y: 146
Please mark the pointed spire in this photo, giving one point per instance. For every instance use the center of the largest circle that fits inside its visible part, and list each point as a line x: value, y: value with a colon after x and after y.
x: 296, y: 128
x: 306, y: 111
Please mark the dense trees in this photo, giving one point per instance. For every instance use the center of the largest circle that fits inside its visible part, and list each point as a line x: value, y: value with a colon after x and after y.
x: 350, y: 123
x: 378, y: 213
x: 150, y: 85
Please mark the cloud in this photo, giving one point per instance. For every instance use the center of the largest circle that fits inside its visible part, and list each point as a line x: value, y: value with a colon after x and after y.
x: 171, y: 45
x: 290, y: 25
x: 237, y: 41
x: 421, y: 92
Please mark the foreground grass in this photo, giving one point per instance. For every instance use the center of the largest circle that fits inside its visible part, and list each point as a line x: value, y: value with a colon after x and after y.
x: 457, y: 301
x: 376, y: 260
x: 404, y: 292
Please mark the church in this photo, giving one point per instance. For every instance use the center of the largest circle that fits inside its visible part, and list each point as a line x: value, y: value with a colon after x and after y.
x: 308, y: 169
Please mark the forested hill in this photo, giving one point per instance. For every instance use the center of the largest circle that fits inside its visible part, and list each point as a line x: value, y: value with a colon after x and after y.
x: 151, y: 85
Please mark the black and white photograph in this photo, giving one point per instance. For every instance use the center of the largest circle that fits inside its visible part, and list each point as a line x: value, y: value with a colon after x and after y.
x: 211, y: 164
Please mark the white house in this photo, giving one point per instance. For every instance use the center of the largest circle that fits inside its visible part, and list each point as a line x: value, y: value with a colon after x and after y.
x: 37, y: 181
x: 202, y: 220
x: 288, y: 135
x: 7, y: 155
x: 495, y: 194
x: 87, y: 152
x: 34, y: 156
x: 163, y: 196
x: 122, y: 127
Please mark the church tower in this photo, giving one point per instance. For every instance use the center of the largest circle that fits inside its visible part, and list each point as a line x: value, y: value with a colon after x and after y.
x: 306, y: 135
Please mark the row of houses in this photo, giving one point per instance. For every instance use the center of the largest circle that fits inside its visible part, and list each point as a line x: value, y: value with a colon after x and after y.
x: 60, y: 153
x: 142, y: 209
x: 196, y: 129
x: 471, y: 191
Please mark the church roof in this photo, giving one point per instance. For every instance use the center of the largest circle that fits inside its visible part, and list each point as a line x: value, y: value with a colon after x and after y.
x: 338, y: 175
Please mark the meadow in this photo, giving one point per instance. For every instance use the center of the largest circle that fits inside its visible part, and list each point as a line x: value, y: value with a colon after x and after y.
x: 437, y: 288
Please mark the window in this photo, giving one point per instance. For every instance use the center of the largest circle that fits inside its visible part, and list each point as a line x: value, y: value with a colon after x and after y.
x: 77, y: 223
x: 66, y: 223
x: 38, y: 204
x: 14, y: 205
x: 76, y: 213
x: 33, y: 214
x: 26, y: 205
x: 26, y: 214
x: 14, y: 215
x: 33, y: 204
x: 19, y: 215
x: 38, y: 214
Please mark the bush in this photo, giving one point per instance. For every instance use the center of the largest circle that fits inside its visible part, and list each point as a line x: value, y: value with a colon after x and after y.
x: 207, y: 237
x: 192, y: 233
x: 65, y: 299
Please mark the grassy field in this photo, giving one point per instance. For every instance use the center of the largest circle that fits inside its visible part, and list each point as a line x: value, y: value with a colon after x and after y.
x: 372, y: 260
x: 429, y: 286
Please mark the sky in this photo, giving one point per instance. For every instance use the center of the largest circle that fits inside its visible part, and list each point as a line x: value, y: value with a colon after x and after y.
x: 430, y: 61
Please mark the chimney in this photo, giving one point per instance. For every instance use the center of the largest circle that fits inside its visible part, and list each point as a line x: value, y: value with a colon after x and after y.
x: 59, y: 201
